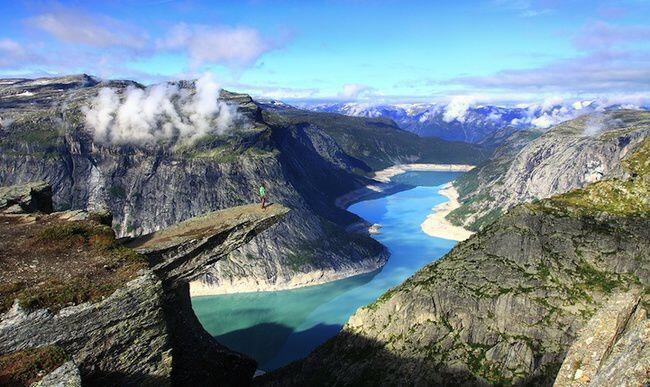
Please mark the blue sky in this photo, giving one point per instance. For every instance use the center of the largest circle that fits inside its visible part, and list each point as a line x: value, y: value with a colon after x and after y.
x: 400, y: 51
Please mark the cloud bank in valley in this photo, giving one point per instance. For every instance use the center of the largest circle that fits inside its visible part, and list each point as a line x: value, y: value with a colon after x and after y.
x: 161, y: 112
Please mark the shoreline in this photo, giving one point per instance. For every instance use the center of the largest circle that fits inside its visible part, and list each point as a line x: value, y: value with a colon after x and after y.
x: 299, y: 281
x: 385, y: 174
x: 382, y: 187
x: 436, y: 225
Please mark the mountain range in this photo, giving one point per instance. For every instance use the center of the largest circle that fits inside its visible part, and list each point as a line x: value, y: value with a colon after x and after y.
x: 462, y: 121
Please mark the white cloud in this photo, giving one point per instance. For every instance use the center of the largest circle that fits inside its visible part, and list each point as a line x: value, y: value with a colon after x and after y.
x: 597, y: 122
x: 74, y: 27
x: 590, y: 74
x: 354, y: 91
x: 11, y: 53
x: 282, y: 93
x: 234, y: 47
x: 525, y: 8
x: 494, y: 117
x: 610, y: 60
x: 457, y: 108
x: 160, y: 112
x: 599, y: 35
x: 72, y: 40
x: 551, y: 101
x: 544, y: 121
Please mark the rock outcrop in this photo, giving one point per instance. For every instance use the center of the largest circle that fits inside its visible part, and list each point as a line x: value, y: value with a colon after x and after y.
x: 142, y: 332
x: 34, y: 197
x: 613, y: 349
x: 67, y: 375
x: 531, y: 165
x: 504, y: 306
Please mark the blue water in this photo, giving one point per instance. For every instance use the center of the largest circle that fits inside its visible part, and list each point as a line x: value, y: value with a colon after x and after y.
x: 276, y: 328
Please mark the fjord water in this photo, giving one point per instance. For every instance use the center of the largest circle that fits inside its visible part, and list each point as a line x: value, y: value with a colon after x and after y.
x: 276, y: 328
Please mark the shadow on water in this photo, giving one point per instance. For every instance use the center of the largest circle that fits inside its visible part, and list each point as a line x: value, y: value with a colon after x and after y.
x: 261, y: 324
x: 261, y: 341
x: 301, y: 344
x: 268, y: 342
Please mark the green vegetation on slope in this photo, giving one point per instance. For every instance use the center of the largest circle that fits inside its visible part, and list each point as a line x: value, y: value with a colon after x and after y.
x: 380, y: 143
x: 627, y: 197
x: 22, y: 368
x: 78, y: 261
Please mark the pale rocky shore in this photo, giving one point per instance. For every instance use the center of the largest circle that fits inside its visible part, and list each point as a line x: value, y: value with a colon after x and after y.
x: 436, y: 224
x: 299, y: 280
x: 385, y: 174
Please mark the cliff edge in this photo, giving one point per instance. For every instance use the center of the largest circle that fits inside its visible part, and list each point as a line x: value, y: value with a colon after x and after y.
x: 120, y: 312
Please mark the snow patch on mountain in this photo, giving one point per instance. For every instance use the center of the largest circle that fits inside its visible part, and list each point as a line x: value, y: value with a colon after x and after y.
x: 463, y: 119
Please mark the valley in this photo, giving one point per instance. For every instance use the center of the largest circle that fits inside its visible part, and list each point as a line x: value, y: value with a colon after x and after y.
x: 505, y: 305
x: 276, y: 328
x: 351, y: 275
x: 325, y: 193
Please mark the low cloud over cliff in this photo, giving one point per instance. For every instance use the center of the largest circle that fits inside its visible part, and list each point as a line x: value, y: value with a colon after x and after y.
x: 163, y: 112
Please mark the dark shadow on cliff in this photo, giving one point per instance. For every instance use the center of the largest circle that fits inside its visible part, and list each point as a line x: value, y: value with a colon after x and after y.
x: 353, y: 360
x: 103, y: 378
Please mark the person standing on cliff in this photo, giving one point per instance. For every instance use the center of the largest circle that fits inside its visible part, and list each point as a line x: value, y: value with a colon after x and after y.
x: 262, y: 196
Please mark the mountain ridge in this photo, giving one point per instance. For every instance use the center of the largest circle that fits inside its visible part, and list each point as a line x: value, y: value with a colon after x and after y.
x: 467, y: 121
x: 533, y: 165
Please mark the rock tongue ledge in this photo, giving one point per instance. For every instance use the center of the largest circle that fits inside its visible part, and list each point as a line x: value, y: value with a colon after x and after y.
x: 183, y: 250
x: 146, y: 331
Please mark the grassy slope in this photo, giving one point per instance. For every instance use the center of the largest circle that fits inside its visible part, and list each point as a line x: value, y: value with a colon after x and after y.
x: 77, y: 261
x: 22, y: 368
x: 630, y: 197
x: 380, y: 143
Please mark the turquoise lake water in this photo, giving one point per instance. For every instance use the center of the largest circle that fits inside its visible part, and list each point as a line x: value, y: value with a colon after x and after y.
x: 276, y: 328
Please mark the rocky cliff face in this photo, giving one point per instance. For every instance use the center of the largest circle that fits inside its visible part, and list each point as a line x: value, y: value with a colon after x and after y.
x: 530, y: 166
x: 126, y: 327
x: 613, y: 349
x: 504, y: 306
x: 34, y: 197
x: 305, y: 160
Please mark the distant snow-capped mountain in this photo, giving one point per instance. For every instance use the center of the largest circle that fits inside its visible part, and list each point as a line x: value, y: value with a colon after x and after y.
x: 460, y: 121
